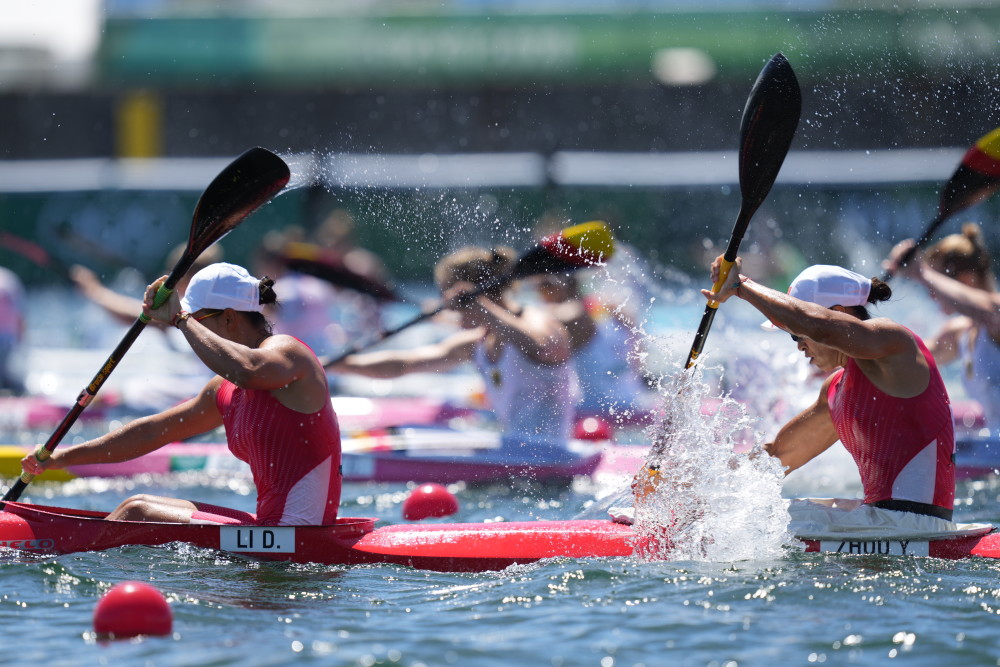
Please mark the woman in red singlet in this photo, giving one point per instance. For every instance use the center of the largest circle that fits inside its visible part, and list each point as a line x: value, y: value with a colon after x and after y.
x: 270, y: 392
x: 884, y: 399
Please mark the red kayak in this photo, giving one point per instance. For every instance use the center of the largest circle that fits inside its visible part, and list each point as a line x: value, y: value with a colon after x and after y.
x: 468, y: 547
x: 458, y: 547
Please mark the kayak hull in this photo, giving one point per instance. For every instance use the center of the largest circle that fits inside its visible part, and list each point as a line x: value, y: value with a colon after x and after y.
x: 352, y: 541
x: 456, y: 547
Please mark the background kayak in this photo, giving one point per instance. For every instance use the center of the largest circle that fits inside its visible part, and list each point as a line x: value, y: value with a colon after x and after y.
x: 403, y: 454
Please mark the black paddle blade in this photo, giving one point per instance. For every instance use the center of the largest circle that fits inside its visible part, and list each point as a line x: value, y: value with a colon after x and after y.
x: 330, y: 266
x: 966, y: 188
x: 770, y: 118
x: 767, y: 127
x: 249, y: 182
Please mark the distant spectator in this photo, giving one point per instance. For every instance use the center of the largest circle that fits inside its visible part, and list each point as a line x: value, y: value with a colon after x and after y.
x: 12, y: 328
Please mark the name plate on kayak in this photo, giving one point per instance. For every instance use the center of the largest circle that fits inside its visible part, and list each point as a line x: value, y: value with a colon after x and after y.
x: 258, y: 539
x: 877, y: 547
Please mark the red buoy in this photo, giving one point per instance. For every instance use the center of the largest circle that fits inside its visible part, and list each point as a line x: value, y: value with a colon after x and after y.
x: 429, y: 500
x: 593, y: 428
x: 132, y: 608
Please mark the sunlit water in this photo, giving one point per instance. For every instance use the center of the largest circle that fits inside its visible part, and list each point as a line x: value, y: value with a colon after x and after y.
x: 737, y: 592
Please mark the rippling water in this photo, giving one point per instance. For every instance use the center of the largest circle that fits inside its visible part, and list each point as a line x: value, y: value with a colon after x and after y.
x: 791, y: 607
x: 798, y: 608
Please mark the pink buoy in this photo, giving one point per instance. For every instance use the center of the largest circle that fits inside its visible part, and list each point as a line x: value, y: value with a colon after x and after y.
x: 132, y: 608
x: 429, y: 500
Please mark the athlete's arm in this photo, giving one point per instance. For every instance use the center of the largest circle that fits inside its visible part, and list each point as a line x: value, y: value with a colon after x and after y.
x: 442, y: 356
x: 945, y: 343
x: 535, y: 332
x: 142, y: 436
x: 806, y: 436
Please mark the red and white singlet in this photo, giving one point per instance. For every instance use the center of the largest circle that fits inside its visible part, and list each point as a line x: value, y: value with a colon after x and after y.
x: 294, y: 457
x: 904, y: 447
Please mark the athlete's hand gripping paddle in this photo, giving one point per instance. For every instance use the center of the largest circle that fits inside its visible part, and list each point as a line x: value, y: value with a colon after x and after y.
x: 769, y: 120
x: 241, y: 188
x: 576, y: 247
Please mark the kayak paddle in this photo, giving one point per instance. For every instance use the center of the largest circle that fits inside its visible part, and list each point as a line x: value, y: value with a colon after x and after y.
x: 241, y: 188
x: 766, y: 130
x: 576, y: 247
x: 976, y: 178
x: 34, y: 253
x: 328, y: 265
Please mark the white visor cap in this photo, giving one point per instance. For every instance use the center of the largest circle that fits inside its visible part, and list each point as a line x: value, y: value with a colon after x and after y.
x: 220, y: 286
x: 827, y: 285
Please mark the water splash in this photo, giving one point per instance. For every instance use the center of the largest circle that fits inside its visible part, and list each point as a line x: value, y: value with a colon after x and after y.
x: 305, y: 170
x: 708, y: 503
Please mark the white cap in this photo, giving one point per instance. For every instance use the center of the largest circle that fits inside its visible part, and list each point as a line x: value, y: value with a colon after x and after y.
x: 220, y: 286
x: 828, y: 286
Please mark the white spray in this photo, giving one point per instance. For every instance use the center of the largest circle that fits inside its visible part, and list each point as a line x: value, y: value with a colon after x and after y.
x: 709, y: 503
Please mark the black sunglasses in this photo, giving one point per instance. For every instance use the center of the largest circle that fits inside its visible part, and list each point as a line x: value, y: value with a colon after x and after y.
x: 795, y: 339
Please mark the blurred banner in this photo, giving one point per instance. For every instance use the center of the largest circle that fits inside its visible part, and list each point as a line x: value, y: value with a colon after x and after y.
x: 411, y: 44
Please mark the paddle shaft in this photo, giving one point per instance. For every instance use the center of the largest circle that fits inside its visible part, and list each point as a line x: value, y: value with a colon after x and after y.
x: 242, y: 187
x: 921, y: 242
x: 90, y: 391
x: 573, y: 248
x: 939, y: 219
x: 975, y: 179
x: 728, y: 261
x: 360, y: 347
x: 767, y: 127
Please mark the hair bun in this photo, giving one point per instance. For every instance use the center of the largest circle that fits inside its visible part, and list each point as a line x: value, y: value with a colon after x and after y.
x: 880, y: 291
x: 266, y: 289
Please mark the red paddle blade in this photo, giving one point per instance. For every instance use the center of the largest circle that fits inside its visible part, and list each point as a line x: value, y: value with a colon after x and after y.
x: 26, y: 248
x: 576, y: 247
x: 977, y: 176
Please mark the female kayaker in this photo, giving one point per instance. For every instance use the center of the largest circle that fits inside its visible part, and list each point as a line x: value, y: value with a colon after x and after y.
x: 270, y: 393
x: 957, y: 273
x: 522, y: 353
x: 604, y: 347
x: 884, y: 399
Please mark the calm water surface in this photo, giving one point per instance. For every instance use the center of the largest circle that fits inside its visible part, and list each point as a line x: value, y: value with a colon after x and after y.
x: 796, y: 609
